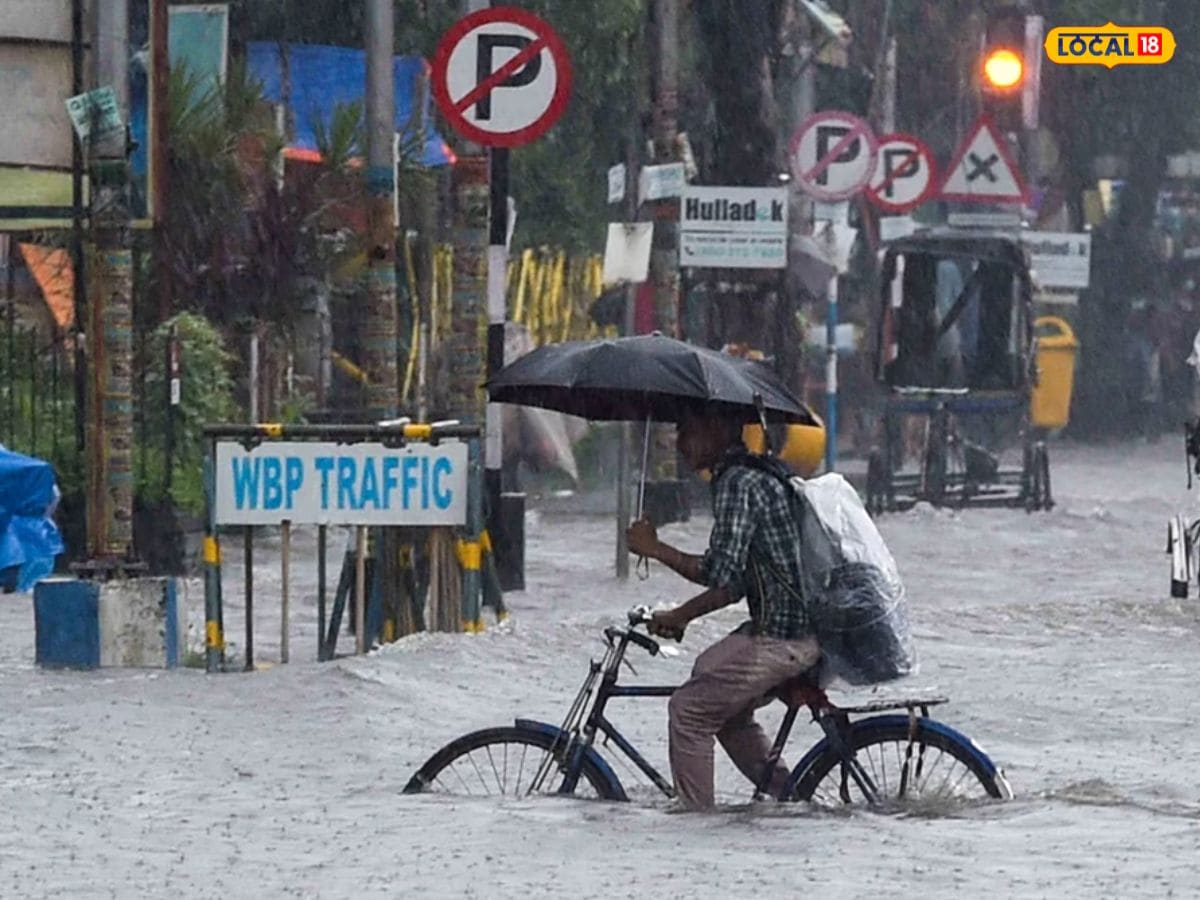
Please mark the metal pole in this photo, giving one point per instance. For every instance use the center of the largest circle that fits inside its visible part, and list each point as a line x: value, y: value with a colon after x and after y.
x: 497, y: 269
x: 831, y: 376
x: 79, y: 294
x: 321, y: 544
x: 628, y: 328
x: 213, y: 638
x: 254, y: 378
x: 285, y: 537
x: 360, y: 589
x: 112, y: 315
x: 426, y: 214
x: 172, y: 398
x: 472, y: 582
x: 248, y: 569
x: 11, y: 321
x: 379, y: 337
x: 160, y: 82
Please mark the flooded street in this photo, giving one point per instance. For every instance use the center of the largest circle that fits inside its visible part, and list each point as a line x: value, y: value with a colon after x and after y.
x: 1053, y: 634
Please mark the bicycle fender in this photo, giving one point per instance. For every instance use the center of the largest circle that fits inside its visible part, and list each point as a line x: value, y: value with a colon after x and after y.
x: 614, y: 783
x: 821, y: 746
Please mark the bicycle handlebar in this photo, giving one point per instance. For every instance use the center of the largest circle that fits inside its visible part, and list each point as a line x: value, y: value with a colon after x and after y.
x: 649, y: 644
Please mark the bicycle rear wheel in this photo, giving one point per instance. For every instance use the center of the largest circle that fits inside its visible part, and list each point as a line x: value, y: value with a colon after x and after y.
x: 504, y: 762
x: 929, y: 764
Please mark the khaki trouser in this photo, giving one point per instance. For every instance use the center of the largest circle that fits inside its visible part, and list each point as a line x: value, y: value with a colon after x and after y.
x: 729, y: 680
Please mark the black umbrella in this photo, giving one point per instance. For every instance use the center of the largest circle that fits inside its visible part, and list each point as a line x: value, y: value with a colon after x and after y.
x: 644, y: 377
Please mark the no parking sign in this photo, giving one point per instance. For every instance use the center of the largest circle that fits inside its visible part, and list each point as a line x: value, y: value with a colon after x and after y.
x: 501, y: 76
x: 904, y: 175
x: 833, y: 155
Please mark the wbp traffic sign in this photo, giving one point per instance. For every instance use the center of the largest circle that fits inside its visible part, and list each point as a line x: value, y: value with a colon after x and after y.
x: 501, y: 76
x: 904, y: 175
x: 833, y: 155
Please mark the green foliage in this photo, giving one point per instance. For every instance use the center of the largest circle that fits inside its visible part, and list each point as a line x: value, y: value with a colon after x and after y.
x: 341, y: 139
x: 206, y: 396
x: 559, y: 180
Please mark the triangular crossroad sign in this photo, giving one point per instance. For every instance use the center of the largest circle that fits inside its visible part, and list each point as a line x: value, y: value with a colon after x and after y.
x: 983, y: 170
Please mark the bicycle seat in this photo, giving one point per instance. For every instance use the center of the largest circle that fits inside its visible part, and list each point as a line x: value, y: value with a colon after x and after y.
x: 802, y: 690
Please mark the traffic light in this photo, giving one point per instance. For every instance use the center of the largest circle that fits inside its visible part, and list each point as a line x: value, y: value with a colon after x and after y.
x: 1004, y: 67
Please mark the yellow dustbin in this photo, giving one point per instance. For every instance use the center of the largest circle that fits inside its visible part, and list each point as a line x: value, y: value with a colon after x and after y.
x: 1050, y: 405
x: 803, y: 447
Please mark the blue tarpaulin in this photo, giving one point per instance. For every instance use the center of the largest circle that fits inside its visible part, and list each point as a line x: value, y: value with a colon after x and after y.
x: 29, y: 539
x: 323, y: 77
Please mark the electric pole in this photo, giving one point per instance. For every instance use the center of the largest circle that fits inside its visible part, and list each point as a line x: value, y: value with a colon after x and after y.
x: 110, y: 320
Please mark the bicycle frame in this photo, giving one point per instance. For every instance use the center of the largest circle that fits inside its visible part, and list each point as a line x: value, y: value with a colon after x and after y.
x: 600, y: 686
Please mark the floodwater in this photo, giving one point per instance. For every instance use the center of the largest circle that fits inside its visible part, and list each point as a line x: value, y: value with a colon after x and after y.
x: 1053, y: 634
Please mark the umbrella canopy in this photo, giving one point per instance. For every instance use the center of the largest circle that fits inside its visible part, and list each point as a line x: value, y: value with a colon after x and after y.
x: 644, y: 377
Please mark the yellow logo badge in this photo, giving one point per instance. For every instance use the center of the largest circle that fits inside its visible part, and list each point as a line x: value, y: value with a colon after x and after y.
x: 1110, y: 45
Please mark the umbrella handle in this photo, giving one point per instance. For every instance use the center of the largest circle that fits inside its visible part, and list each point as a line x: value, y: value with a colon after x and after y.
x: 642, y: 567
x: 760, y: 408
x: 642, y: 479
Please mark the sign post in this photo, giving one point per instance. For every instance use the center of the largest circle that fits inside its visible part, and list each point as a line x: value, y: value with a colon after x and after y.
x: 833, y: 156
x: 501, y: 77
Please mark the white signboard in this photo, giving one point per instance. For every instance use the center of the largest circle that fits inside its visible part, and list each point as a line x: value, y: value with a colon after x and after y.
x: 660, y: 182
x: 341, y: 484
x: 95, y: 114
x: 1059, y: 259
x: 627, y: 252
x: 733, y: 227
x: 36, y: 20
x: 35, y: 80
x: 616, y: 183
x: 892, y: 228
x: 997, y: 219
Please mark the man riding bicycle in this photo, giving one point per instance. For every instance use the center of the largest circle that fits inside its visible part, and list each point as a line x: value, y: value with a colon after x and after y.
x: 755, y: 532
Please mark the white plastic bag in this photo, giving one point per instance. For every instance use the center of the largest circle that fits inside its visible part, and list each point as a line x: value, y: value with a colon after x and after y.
x: 856, y: 600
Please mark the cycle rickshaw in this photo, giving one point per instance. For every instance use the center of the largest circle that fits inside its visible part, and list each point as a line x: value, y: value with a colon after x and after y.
x: 956, y: 354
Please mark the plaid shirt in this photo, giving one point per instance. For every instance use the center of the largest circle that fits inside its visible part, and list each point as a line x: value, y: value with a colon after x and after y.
x: 754, y: 519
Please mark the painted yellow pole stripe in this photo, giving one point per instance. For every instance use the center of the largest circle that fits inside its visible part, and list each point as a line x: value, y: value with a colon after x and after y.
x: 418, y: 431
x: 212, y: 635
x: 211, y: 550
x: 470, y: 554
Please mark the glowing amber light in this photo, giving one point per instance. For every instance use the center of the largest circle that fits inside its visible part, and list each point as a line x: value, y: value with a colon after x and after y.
x: 1003, y: 69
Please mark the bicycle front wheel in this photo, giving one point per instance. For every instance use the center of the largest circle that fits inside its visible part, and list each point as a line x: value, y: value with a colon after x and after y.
x: 505, y: 762
x: 929, y: 764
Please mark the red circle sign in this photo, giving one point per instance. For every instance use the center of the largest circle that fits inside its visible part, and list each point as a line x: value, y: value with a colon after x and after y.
x: 905, y: 174
x: 501, y: 76
x: 832, y: 155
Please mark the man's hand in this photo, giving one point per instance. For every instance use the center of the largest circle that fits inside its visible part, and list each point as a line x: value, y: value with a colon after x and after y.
x: 642, y: 538
x: 668, y: 623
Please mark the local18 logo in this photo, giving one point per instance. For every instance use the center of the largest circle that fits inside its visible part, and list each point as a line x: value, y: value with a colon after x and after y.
x: 1110, y: 45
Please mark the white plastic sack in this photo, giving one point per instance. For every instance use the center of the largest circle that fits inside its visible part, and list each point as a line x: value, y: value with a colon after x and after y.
x: 856, y: 600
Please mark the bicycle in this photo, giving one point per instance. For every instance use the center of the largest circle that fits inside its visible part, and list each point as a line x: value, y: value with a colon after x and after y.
x: 851, y: 764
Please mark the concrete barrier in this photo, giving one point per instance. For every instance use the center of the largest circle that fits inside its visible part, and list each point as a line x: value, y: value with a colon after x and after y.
x: 135, y: 623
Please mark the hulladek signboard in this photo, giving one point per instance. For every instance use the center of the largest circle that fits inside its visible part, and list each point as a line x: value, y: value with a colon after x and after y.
x: 733, y: 227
